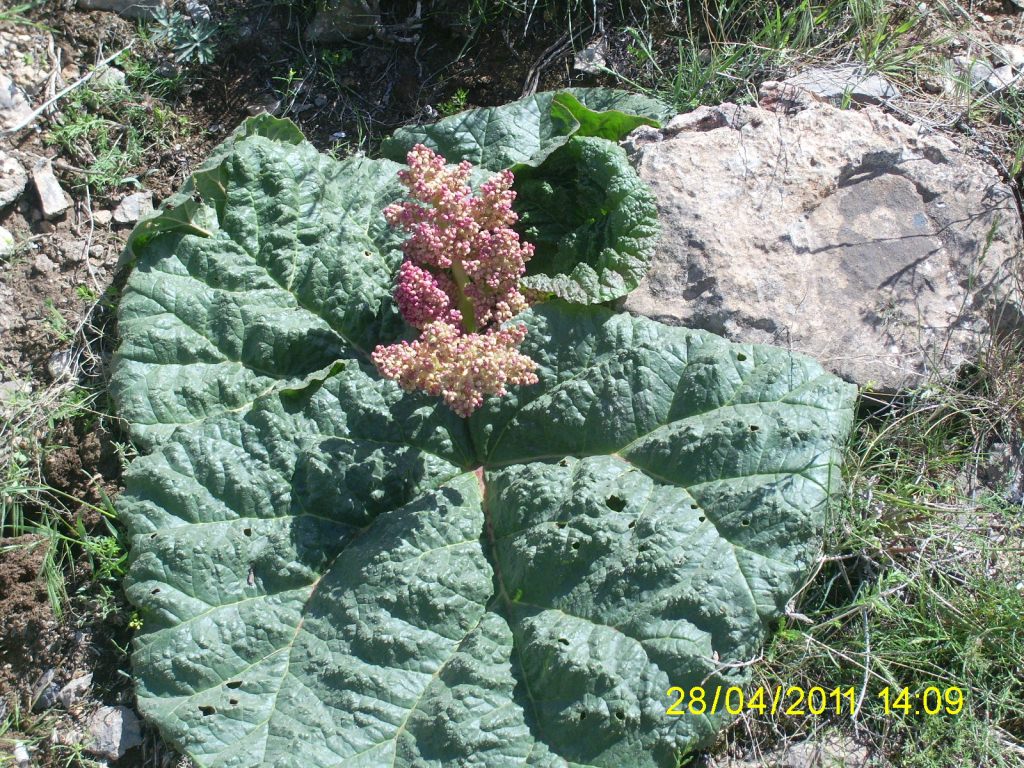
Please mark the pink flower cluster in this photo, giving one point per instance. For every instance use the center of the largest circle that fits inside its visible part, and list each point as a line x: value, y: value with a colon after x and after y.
x: 459, y: 283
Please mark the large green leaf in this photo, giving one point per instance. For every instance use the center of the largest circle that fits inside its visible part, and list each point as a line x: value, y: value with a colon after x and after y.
x: 592, y: 219
x: 332, y: 572
x: 523, y: 133
x: 276, y: 263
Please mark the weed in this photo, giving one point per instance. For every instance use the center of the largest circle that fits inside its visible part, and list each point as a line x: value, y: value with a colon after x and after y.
x: 926, y: 588
x: 17, y: 15
x: 85, y: 293
x: 722, y: 50
x: 189, y: 40
x: 146, y: 77
x: 56, y: 324
x: 454, y: 103
x: 109, y: 133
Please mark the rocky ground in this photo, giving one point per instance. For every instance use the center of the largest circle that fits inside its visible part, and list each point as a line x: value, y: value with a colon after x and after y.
x: 81, y: 161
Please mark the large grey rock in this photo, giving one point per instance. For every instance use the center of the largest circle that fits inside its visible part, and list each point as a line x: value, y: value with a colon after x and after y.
x: 112, y: 731
x: 843, y: 234
x: 343, y: 20
x: 846, y: 81
x: 13, y: 179
x: 129, y: 9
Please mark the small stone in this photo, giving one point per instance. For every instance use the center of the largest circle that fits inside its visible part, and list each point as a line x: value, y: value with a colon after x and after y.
x: 102, y: 217
x: 266, y: 104
x: 21, y: 756
x: 112, y: 732
x: 74, y: 251
x: 13, y: 179
x: 73, y: 692
x: 845, y: 82
x: 197, y: 11
x: 44, y: 692
x: 1001, y: 78
x: 52, y: 197
x: 42, y: 265
x: 58, y: 365
x: 6, y: 242
x: 129, y: 9
x: 592, y: 60
x: 133, y: 207
x: 1010, y: 54
x: 109, y: 79
x: 973, y: 72
x: 320, y: 100
x: 14, y: 107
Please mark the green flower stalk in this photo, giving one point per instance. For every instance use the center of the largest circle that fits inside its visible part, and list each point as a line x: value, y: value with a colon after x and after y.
x: 458, y: 285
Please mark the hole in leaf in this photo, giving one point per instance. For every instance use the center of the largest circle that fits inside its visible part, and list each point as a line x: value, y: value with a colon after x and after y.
x: 694, y: 506
x: 701, y: 519
x: 644, y: 547
x: 754, y: 428
x: 559, y: 525
x: 234, y: 684
x: 155, y: 591
x: 563, y: 463
x: 745, y: 521
x: 620, y: 715
x: 632, y: 523
x: 152, y: 536
x: 207, y: 711
x: 563, y: 641
x: 575, y: 545
x: 616, y: 503
x: 247, y: 531
x: 232, y: 702
x: 740, y: 356
x: 583, y: 716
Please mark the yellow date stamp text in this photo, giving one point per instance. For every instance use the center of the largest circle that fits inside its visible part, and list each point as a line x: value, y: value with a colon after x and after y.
x: 797, y: 701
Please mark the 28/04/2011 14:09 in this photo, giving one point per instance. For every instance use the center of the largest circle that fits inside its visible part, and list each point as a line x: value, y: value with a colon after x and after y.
x: 796, y: 701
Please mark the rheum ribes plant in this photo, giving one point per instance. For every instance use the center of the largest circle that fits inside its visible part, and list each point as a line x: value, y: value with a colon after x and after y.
x: 458, y: 284
x: 331, y: 571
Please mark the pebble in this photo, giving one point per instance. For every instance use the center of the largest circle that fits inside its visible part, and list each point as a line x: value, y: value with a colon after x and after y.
x: 44, y: 692
x: 109, y: 79
x: 112, y: 731
x: 133, y: 207
x: 102, y: 217
x: 73, y: 692
x: 13, y: 179
x: 592, y: 60
x: 14, y: 107
x: 52, y: 197
x: 42, y: 264
x: 1011, y: 54
x: 59, y: 364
